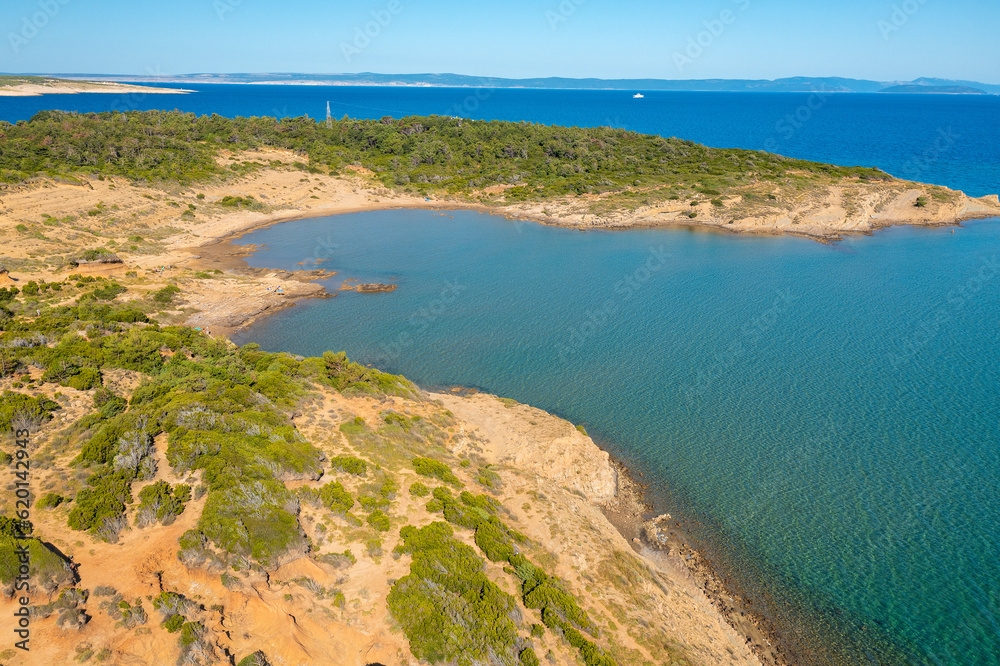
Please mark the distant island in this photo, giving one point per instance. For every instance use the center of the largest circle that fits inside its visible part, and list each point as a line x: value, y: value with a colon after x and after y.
x: 938, y: 90
x: 831, y: 84
x: 34, y: 86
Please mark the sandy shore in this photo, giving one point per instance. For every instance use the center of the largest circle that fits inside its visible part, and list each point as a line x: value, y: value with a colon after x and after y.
x: 65, y: 87
x: 187, y: 230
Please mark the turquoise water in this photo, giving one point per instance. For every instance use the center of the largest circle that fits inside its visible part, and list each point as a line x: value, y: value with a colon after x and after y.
x: 825, y: 417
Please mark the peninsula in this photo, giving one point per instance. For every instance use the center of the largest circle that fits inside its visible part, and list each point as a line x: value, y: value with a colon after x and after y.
x: 34, y: 86
x: 262, y: 506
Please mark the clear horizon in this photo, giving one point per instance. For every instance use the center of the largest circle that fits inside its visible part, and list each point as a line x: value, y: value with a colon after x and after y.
x: 731, y: 39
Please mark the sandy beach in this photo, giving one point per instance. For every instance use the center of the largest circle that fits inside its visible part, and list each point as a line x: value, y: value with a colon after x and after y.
x: 66, y: 87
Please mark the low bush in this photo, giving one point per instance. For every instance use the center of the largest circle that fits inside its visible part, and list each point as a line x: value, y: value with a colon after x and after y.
x: 161, y: 503
x: 379, y: 520
x: 448, y: 608
x: 24, y: 411
x: 165, y: 296
x: 436, y: 470
x: 349, y: 465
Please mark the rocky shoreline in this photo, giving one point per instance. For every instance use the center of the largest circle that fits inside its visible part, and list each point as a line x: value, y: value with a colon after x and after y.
x: 661, y: 539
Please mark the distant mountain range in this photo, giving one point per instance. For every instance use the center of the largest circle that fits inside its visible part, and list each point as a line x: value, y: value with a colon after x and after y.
x: 795, y: 84
x: 940, y: 90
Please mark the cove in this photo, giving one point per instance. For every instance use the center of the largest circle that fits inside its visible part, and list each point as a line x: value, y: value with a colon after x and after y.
x: 825, y: 416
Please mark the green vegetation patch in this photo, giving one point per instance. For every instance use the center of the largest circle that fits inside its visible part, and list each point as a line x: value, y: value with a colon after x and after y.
x: 21, y: 410
x: 422, y: 154
x: 161, y: 503
x: 449, y: 610
x: 48, y: 570
x: 435, y: 469
x: 350, y: 465
x: 346, y: 376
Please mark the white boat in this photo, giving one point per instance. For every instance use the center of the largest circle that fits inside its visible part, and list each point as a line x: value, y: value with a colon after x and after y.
x: 638, y: 96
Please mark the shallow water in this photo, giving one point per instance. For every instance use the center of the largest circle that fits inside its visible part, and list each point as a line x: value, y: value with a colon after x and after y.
x: 827, y: 414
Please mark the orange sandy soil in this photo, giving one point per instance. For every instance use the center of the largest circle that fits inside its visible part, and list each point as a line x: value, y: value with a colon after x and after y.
x: 555, y: 483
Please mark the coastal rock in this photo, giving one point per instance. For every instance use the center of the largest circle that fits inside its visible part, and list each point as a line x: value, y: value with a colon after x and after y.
x: 537, y: 442
x: 372, y: 288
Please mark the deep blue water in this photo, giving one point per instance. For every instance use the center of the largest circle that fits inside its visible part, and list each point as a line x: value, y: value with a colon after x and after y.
x: 825, y: 417
x: 943, y: 139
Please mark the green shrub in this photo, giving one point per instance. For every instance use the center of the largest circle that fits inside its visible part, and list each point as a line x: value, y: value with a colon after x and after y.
x: 32, y: 411
x: 335, y: 498
x: 379, y: 520
x: 165, y: 296
x: 239, y: 202
x: 349, y: 465
x: 435, y: 469
x: 347, y: 376
x: 448, y: 608
x: 105, y: 498
x: 108, y: 404
x: 109, y: 292
x: 493, y: 540
x: 489, y: 479
x: 174, y: 623
x: 252, y: 519
x: 46, y: 567
x: 418, y: 489
x: 528, y: 657
x: 257, y: 658
x: 50, y: 501
x: 161, y: 503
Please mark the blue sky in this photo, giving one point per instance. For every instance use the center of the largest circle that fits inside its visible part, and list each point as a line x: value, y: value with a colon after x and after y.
x: 876, y: 39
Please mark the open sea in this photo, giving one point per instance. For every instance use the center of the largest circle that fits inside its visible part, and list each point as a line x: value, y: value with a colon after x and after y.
x: 824, y: 418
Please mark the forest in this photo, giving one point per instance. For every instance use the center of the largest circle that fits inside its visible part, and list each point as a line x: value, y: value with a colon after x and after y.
x: 436, y: 154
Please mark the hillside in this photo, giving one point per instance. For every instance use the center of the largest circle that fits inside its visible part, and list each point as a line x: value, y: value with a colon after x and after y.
x: 782, y: 85
x: 934, y: 90
x: 592, y: 177
x: 196, y: 503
